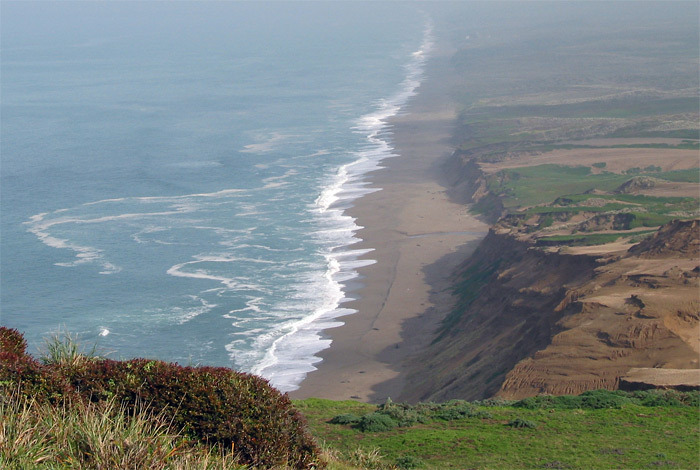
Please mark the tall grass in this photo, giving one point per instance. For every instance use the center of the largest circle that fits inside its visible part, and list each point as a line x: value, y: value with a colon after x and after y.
x: 63, y: 348
x: 97, y: 436
x: 86, y: 411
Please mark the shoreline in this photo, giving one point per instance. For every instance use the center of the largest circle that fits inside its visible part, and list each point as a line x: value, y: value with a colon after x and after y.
x: 417, y: 236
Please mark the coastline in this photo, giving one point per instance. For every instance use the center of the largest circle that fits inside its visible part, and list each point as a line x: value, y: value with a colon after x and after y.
x: 417, y: 236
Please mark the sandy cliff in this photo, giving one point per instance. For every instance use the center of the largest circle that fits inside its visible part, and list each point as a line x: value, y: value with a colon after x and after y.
x: 638, y: 311
x: 529, y: 318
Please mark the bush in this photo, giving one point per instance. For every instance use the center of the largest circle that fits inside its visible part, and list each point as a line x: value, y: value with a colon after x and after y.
x: 592, y: 400
x: 454, y: 410
x: 214, y: 404
x: 347, y: 418
x: 404, y: 415
x: 390, y: 415
x: 600, y: 399
x: 376, y: 422
x: 21, y: 373
x: 218, y: 406
x: 12, y: 342
x: 496, y: 401
x: 482, y: 414
x: 659, y: 398
x: 522, y: 423
x: 409, y: 461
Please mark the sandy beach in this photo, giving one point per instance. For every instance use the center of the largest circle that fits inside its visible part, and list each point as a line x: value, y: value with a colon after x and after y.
x: 418, y: 236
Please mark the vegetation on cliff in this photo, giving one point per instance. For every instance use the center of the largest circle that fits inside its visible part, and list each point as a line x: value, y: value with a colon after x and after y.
x: 215, y: 409
x: 599, y: 430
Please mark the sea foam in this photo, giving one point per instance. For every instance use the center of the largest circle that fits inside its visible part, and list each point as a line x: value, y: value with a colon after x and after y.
x: 294, y: 351
x: 226, y: 244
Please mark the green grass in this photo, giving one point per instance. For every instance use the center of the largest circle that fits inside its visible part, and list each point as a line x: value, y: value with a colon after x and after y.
x: 630, y: 211
x: 543, y: 184
x: 572, y: 209
x: 681, y: 176
x: 96, y: 436
x: 642, y: 219
x: 590, y: 239
x: 629, y: 437
x: 646, y: 211
x: 637, y: 199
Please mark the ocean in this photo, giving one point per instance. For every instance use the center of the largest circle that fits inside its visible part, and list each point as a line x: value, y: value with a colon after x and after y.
x: 174, y: 175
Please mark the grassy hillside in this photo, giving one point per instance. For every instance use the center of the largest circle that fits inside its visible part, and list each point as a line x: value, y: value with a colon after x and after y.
x: 50, y: 422
x: 602, y: 430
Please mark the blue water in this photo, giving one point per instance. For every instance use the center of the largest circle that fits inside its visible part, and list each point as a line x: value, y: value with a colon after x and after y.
x: 174, y: 175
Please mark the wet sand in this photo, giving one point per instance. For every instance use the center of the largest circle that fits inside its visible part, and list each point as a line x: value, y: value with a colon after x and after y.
x: 418, y: 236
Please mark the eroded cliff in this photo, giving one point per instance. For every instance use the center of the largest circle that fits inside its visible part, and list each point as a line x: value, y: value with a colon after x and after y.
x: 566, y: 296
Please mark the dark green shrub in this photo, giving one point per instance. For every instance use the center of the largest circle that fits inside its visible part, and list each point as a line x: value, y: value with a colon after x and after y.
x: 600, y: 399
x: 564, y: 402
x: 593, y: 399
x: 455, y: 409
x: 448, y: 414
x: 408, y: 462
x: 482, y: 414
x: 665, y: 398
x: 529, y: 403
x: 404, y: 415
x: 659, y: 398
x: 347, y: 418
x: 522, y: 423
x: 376, y: 422
x: 495, y: 402
x: 690, y: 398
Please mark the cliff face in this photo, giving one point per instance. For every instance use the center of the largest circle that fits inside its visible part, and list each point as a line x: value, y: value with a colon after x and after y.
x: 468, y: 185
x: 641, y: 311
x: 565, y: 294
x: 509, y: 300
x: 528, y: 321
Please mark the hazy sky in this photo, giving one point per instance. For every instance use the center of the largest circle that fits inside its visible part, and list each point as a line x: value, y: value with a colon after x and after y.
x: 24, y: 22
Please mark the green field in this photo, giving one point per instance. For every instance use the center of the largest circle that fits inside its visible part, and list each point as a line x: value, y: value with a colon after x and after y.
x: 543, y: 184
x: 574, y: 436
